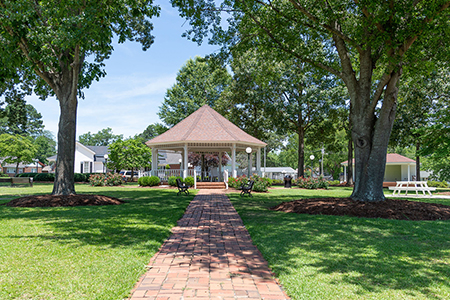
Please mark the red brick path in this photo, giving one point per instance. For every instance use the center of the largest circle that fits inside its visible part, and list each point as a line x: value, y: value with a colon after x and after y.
x: 209, y: 256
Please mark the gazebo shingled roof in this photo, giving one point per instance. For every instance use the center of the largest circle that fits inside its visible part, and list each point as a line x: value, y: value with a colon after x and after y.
x: 205, y: 125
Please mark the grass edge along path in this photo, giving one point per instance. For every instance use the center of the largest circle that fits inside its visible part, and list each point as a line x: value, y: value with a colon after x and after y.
x: 330, y: 257
x: 90, y: 252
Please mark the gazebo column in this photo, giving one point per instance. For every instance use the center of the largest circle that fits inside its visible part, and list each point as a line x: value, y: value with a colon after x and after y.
x: 233, y: 161
x: 185, y: 161
x: 220, y: 167
x: 154, y: 161
x: 258, y: 161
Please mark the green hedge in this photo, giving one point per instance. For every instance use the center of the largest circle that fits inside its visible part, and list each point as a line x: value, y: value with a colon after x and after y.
x: 149, y: 181
x: 439, y: 184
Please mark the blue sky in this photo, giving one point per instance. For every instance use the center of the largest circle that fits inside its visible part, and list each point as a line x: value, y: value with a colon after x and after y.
x: 128, y: 98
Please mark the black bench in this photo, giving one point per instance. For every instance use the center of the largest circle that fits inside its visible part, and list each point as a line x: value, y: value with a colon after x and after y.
x: 182, y: 187
x: 247, y: 189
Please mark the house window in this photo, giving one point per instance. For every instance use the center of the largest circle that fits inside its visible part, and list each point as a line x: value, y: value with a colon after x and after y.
x: 10, y: 170
x: 33, y: 170
x: 86, y: 167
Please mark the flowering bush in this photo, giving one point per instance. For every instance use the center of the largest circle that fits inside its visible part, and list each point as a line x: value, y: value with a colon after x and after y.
x: 261, y: 183
x: 102, y: 179
x: 237, y: 182
x: 311, y: 183
x: 113, y: 179
x: 97, y: 180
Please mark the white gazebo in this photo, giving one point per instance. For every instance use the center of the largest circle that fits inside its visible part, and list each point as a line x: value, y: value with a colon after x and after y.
x: 205, y: 131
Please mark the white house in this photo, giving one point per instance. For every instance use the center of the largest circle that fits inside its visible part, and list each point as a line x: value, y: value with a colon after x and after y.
x: 88, y: 159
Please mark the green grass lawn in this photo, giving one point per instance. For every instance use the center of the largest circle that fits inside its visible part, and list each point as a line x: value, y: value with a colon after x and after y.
x: 91, y: 252
x: 330, y: 257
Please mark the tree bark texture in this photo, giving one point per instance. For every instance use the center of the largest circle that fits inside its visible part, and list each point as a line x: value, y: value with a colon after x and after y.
x: 301, y: 153
x: 65, y: 161
x: 350, y: 163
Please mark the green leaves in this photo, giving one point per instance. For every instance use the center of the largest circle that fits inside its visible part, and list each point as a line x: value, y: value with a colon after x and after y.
x: 129, y: 154
x: 200, y: 81
x: 15, y: 149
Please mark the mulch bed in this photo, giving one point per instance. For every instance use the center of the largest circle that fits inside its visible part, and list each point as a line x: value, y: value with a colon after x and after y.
x: 65, y: 200
x: 389, y: 209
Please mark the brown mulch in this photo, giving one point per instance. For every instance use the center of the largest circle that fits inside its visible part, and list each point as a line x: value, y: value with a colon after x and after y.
x: 65, y: 200
x: 389, y: 209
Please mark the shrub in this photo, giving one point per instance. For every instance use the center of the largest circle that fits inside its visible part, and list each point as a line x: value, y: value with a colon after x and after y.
x: 334, y: 182
x: 237, y: 182
x: 44, y: 177
x: 113, y: 179
x: 149, y: 181
x: 278, y: 182
x: 440, y: 184
x: 97, y: 179
x: 79, y: 177
x: 26, y: 175
x: 189, y: 180
x: 173, y: 180
x: 261, y: 184
x: 311, y: 183
x: 3, y: 175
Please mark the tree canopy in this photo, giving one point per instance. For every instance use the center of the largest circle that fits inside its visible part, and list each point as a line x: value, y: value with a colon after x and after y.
x: 200, y: 81
x: 130, y: 154
x: 58, y: 48
x: 366, y: 44
x: 16, y: 149
x: 103, y: 137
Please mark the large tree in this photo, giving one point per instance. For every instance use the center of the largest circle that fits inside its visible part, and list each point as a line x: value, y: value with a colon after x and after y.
x: 364, y: 43
x: 103, y: 137
x: 200, y: 81
x: 57, y: 47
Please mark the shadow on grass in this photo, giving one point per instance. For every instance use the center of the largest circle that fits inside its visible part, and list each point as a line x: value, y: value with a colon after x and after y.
x: 374, y: 255
x: 144, y: 221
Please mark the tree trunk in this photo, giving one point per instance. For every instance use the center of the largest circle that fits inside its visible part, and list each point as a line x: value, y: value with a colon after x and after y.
x: 417, y: 161
x: 370, y: 133
x: 65, y: 161
x: 350, y: 163
x: 301, y: 152
x: 17, y: 168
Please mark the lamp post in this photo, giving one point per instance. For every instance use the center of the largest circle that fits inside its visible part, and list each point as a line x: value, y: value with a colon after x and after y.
x: 106, y: 161
x: 311, y: 157
x: 248, y: 150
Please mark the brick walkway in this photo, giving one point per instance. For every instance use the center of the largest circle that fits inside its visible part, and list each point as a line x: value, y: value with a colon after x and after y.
x: 209, y: 256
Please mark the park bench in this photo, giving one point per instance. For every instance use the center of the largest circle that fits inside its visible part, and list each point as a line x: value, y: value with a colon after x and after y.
x: 417, y: 186
x: 18, y: 180
x: 247, y: 189
x: 182, y: 187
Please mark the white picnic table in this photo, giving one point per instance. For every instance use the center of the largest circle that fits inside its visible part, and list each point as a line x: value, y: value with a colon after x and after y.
x: 417, y: 186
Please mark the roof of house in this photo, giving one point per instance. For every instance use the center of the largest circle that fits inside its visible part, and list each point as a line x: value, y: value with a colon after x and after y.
x: 21, y: 165
x: 205, y: 125
x: 99, y: 150
x: 392, y: 158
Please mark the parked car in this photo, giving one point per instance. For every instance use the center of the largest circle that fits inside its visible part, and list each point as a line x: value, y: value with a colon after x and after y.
x: 126, y: 175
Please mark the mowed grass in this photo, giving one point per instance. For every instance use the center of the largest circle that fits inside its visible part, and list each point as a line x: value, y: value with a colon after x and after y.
x: 91, y: 252
x: 331, y: 257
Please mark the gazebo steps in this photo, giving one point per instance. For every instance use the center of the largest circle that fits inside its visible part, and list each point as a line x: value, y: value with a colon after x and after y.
x: 211, y: 185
